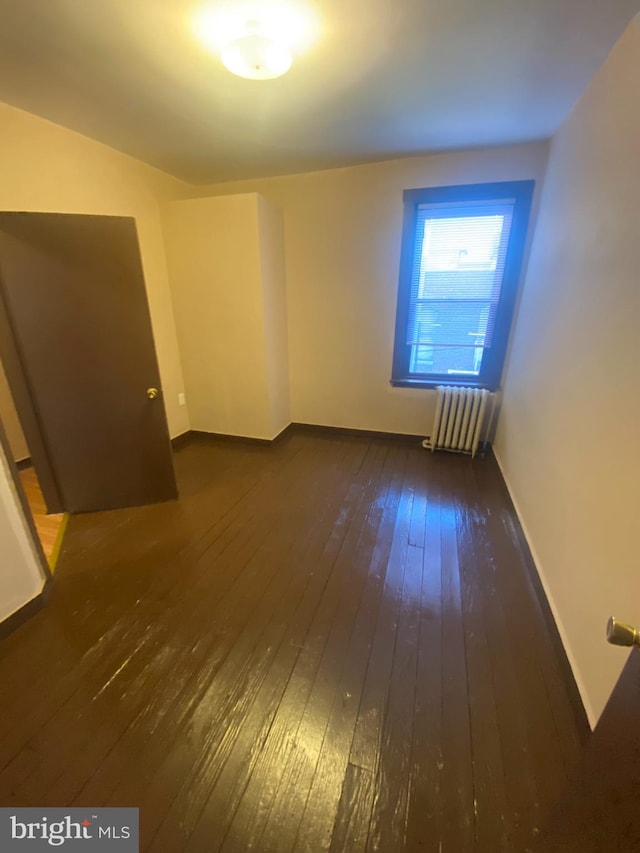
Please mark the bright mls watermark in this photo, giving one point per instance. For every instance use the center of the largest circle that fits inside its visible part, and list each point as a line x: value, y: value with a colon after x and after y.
x: 104, y: 830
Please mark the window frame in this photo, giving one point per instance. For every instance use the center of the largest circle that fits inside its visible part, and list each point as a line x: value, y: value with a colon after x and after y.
x: 494, y: 356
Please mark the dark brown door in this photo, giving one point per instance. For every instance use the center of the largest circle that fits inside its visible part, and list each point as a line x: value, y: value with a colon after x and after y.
x: 75, y: 302
x: 601, y: 810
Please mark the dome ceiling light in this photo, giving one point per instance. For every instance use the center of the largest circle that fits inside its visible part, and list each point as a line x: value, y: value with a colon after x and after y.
x: 256, y: 56
x: 257, y: 39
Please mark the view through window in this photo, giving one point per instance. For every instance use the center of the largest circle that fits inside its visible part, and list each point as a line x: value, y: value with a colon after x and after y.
x: 457, y: 284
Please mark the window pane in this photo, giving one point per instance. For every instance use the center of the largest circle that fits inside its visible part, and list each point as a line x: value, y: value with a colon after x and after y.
x: 462, y: 250
x: 446, y: 361
x: 451, y: 321
x: 457, y: 275
x: 462, y: 243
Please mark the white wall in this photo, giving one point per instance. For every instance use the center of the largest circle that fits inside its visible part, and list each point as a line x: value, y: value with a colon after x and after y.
x: 342, y: 245
x: 568, y: 433
x: 21, y: 577
x: 225, y: 264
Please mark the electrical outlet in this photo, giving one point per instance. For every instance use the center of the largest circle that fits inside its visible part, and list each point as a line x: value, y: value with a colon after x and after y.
x: 181, y: 399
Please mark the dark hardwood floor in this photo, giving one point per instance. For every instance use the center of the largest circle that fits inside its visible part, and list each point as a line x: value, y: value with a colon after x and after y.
x: 332, y: 644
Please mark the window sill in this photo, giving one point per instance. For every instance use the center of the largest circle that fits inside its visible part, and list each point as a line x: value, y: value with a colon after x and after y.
x: 434, y: 383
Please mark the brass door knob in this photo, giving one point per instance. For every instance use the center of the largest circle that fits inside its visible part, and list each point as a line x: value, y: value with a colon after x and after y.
x: 621, y: 634
x: 152, y: 393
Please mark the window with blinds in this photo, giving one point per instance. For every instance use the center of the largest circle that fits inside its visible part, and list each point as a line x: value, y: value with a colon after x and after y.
x: 461, y: 258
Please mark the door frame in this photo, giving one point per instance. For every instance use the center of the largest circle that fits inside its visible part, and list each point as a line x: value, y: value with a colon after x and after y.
x: 27, y: 408
x: 26, y: 510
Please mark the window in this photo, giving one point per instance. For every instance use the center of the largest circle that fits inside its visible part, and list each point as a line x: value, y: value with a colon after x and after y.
x: 462, y: 252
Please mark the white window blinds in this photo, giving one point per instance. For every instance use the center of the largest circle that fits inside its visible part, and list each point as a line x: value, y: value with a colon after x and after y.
x: 456, y: 279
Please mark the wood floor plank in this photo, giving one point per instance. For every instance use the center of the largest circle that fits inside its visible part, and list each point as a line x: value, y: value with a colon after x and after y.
x: 492, y: 819
x: 316, y: 828
x: 352, y: 830
x: 511, y: 713
x: 300, y: 743
x: 368, y: 728
x: 312, y: 650
x: 351, y: 825
x: 48, y: 525
x: 458, y: 810
x: 91, y: 609
x: 228, y: 779
x: 571, y: 722
x: 390, y: 807
x: 318, y: 575
x: 550, y: 772
x: 226, y: 678
x: 68, y: 710
x: 425, y: 779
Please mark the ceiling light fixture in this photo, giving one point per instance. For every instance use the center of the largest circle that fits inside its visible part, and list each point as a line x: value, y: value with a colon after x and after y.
x: 256, y: 56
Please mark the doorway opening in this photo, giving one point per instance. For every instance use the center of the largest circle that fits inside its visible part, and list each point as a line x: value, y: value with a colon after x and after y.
x: 49, y: 526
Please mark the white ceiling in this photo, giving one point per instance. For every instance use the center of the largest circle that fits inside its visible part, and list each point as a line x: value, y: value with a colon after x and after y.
x: 383, y: 79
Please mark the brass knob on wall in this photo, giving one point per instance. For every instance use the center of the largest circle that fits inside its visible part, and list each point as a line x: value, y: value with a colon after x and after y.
x: 152, y: 393
x: 621, y: 634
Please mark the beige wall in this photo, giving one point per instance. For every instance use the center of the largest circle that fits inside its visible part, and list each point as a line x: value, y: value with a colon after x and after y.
x: 10, y: 420
x: 44, y: 167
x: 274, y: 306
x: 568, y: 432
x: 230, y: 321
x: 342, y: 240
